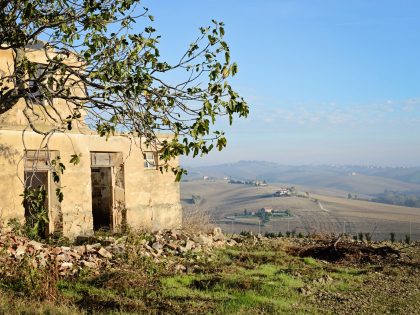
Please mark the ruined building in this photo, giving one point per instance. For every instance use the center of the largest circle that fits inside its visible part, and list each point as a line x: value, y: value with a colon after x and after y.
x: 115, y: 182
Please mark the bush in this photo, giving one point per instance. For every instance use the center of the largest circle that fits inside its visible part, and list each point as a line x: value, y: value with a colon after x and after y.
x: 360, y: 236
x: 246, y: 233
x: 270, y: 235
x: 368, y: 237
x: 392, y: 237
x: 407, y: 239
x: 36, y: 282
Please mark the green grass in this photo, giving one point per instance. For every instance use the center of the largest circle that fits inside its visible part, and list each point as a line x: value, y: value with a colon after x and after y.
x: 249, y: 280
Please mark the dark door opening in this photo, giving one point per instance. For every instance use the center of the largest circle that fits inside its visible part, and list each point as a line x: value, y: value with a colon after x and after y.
x: 102, y: 198
x: 36, y: 202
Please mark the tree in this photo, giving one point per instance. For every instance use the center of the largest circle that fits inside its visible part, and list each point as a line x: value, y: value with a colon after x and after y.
x: 349, y: 196
x: 127, y: 86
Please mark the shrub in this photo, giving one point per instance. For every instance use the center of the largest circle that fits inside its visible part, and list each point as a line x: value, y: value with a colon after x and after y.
x: 246, y: 233
x: 368, y: 237
x: 360, y: 236
x: 407, y: 238
x: 392, y: 237
x: 36, y: 282
x: 270, y: 234
x: 36, y: 213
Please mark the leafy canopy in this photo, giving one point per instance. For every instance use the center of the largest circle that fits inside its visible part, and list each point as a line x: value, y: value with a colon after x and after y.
x: 127, y: 87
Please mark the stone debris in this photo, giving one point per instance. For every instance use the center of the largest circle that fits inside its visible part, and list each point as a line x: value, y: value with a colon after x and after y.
x: 106, y: 251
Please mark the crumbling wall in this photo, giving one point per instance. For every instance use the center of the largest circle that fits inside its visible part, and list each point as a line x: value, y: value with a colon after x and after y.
x: 152, y: 198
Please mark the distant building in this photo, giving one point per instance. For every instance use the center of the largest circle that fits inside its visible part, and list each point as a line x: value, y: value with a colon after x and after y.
x: 267, y: 210
x: 282, y: 192
x: 261, y: 183
x: 205, y: 177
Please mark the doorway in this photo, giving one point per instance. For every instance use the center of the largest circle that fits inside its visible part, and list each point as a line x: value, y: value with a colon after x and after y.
x: 36, y: 203
x: 108, y: 190
x: 102, y: 198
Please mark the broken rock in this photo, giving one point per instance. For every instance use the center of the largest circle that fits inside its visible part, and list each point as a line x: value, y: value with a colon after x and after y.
x: 104, y: 253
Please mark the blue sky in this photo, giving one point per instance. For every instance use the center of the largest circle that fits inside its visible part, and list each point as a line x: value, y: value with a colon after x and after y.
x: 327, y: 81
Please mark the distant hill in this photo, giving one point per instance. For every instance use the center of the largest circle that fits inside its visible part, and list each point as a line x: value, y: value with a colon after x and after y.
x: 349, y: 178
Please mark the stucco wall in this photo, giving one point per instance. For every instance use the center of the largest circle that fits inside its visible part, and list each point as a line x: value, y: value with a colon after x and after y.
x: 152, y: 198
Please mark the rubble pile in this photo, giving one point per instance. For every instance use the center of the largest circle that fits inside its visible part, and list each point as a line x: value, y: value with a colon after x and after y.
x: 106, y: 251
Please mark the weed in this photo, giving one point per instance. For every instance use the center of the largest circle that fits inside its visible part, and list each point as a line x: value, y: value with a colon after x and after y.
x: 270, y: 235
x: 24, y: 277
x: 310, y: 261
x: 392, y: 237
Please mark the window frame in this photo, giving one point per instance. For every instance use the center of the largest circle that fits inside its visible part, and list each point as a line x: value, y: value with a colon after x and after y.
x: 147, y: 164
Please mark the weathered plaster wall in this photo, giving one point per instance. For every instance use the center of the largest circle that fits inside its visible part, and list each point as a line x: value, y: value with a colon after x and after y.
x: 152, y: 198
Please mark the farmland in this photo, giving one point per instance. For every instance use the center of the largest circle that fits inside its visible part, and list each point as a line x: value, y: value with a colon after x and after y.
x: 319, y: 211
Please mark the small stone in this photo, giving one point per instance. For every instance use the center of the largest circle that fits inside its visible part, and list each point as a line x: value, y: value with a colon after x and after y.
x: 88, y: 264
x: 157, y: 246
x: 20, y: 250
x: 203, y: 240
x: 218, y: 237
x: 104, y: 253
x: 65, y: 265
x: 171, y: 245
x: 61, y: 257
x: 36, y: 245
x: 231, y: 242
x: 81, y: 250
x: 183, y: 237
x: 182, y: 249
x: 217, y: 231
x: 189, y: 245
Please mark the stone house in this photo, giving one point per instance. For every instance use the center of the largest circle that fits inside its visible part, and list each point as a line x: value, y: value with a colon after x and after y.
x: 116, y: 182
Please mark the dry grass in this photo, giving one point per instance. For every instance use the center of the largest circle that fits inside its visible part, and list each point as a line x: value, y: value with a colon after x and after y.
x: 22, y: 277
x: 195, y: 219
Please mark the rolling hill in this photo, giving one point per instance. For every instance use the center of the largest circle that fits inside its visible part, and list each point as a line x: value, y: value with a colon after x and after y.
x: 361, y: 180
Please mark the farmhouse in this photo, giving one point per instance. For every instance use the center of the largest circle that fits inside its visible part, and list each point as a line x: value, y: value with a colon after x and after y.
x: 116, y: 183
x: 282, y: 192
x: 266, y: 210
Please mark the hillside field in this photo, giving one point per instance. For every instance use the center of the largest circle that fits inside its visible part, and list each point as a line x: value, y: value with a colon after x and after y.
x: 324, y: 211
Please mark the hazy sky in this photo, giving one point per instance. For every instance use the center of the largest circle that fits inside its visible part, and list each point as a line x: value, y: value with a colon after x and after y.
x: 327, y: 81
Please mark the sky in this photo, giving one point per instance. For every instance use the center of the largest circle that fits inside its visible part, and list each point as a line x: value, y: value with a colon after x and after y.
x: 328, y: 82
